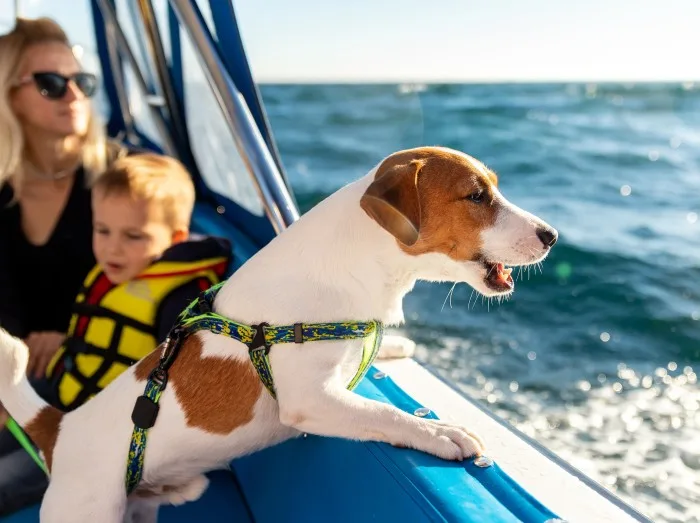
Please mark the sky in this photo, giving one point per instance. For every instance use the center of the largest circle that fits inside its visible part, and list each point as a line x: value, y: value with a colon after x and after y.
x: 450, y: 40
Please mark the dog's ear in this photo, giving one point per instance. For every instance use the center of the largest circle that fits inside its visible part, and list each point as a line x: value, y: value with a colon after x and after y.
x: 392, y: 200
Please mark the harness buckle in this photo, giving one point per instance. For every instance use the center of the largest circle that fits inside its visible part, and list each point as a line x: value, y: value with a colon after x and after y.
x: 170, y: 347
x: 159, y: 376
x: 259, y: 338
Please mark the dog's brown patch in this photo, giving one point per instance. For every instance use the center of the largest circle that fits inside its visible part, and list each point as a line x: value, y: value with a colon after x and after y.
x: 216, y: 394
x: 144, y: 491
x: 422, y: 195
x: 43, y: 430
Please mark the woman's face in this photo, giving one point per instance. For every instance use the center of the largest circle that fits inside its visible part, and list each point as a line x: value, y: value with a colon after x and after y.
x: 60, y: 116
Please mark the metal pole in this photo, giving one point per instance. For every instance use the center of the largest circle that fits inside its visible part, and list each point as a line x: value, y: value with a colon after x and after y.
x: 116, y: 69
x: 110, y: 17
x: 158, y: 55
x: 271, y: 187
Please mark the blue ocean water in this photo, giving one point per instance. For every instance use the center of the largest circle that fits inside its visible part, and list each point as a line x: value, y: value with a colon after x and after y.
x: 596, y: 353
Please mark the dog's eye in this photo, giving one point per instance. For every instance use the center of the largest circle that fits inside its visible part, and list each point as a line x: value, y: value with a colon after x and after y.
x: 476, y: 197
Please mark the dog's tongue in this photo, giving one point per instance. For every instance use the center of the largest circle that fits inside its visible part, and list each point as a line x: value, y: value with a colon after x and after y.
x: 503, y: 273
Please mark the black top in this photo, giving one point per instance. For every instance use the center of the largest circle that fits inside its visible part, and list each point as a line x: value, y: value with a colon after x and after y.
x: 38, y: 284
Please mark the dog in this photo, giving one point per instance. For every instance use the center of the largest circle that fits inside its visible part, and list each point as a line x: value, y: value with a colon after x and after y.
x: 428, y: 213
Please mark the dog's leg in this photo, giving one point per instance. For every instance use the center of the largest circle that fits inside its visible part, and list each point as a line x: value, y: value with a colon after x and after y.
x: 143, y: 505
x: 312, y: 398
x: 190, y: 491
x: 142, y: 511
x: 396, y: 347
x: 341, y: 413
x: 67, y: 502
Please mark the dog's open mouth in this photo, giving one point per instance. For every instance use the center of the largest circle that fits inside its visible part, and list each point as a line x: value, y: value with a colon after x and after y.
x: 498, y: 277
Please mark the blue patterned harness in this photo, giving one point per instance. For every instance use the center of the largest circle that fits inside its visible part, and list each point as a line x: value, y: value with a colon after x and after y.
x: 199, y: 315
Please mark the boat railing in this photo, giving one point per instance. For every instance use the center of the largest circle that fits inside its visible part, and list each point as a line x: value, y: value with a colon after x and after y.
x: 117, y: 41
x: 156, y: 83
x: 274, y: 193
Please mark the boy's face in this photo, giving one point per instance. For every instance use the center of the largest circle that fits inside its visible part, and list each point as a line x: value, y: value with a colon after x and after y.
x: 128, y: 235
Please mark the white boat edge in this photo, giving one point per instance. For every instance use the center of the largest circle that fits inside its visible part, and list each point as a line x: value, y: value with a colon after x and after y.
x: 561, y: 488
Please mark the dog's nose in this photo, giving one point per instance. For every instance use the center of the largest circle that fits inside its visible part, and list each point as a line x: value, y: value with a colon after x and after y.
x: 548, y: 237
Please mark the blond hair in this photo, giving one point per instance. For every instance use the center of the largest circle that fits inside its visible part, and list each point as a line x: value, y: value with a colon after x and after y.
x: 13, y: 46
x: 155, y: 178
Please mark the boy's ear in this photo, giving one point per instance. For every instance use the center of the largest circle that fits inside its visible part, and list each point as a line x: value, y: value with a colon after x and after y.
x: 180, y: 235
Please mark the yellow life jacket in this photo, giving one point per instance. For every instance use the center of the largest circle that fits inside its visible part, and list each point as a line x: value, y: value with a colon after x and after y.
x: 114, y: 326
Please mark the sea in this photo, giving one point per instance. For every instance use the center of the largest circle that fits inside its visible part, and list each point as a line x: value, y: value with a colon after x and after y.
x: 596, y: 354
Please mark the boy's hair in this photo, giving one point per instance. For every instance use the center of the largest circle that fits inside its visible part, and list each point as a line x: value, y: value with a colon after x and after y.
x: 155, y: 178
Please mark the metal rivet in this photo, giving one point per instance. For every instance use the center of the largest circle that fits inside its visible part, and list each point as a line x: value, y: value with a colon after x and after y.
x: 483, y: 461
x: 379, y: 375
x: 422, y: 412
x: 305, y: 435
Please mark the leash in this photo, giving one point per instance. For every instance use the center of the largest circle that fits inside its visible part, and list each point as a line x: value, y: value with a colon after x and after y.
x: 24, y: 441
x: 198, y: 316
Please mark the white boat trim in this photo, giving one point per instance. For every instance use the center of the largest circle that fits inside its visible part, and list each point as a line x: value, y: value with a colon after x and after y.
x: 557, y: 485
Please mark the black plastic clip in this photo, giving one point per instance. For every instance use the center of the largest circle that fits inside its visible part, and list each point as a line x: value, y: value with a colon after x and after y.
x: 259, y: 338
x: 145, y: 412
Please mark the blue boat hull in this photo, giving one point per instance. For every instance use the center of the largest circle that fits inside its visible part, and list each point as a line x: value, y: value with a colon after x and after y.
x: 327, y: 479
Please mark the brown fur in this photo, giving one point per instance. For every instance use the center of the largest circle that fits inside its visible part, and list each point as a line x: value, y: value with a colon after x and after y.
x: 43, y: 430
x: 216, y: 394
x: 426, y: 190
x: 144, y: 491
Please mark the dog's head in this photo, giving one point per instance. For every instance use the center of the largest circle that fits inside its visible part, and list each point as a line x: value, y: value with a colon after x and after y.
x: 444, y: 208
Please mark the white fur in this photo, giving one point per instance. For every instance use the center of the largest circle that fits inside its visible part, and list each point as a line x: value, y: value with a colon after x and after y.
x: 512, y: 240
x: 16, y: 394
x: 334, y: 264
x: 394, y: 346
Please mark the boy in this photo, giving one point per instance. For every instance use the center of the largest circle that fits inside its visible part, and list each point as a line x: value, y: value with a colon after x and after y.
x: 148, y: 270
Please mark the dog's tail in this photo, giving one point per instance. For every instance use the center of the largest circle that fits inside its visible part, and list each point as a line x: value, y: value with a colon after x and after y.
x: 36, y: 417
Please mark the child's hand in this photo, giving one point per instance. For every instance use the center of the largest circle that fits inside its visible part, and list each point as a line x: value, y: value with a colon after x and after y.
x: 42, y: 347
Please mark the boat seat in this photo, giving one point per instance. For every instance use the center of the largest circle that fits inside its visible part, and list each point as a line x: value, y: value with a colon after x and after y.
x: 221, y: 503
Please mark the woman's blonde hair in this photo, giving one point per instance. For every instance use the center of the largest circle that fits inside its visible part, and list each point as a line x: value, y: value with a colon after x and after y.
x: 13, y: 45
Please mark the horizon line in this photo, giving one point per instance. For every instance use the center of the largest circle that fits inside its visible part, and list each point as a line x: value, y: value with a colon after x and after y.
x: 389, y: 81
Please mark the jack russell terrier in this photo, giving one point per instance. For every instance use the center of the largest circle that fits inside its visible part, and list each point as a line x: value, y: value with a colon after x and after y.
x: 428, y: 213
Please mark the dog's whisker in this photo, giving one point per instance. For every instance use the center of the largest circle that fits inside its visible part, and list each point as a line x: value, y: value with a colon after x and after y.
x: 449, y: 295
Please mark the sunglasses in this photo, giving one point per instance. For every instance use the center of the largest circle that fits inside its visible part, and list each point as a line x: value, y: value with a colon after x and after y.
x: 54, y: 85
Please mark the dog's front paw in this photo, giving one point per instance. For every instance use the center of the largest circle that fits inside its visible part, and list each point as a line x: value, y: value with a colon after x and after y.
x: 190, y: 491
x: 396, y: 347
x: 451, y: 442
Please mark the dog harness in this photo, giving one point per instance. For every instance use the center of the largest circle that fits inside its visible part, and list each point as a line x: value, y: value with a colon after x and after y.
x: 198, y: 316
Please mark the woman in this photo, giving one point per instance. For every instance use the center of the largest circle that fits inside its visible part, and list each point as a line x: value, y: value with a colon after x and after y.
x: 51, y: 147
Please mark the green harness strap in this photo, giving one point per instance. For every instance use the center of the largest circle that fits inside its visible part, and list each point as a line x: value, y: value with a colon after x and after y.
x: 198, y: 316
x: 267, y: 336
x: 23, y: 440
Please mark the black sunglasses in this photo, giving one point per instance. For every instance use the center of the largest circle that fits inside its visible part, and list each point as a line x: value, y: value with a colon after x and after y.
x: 54, y: 85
